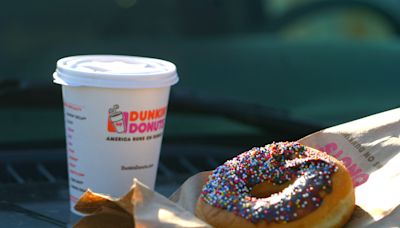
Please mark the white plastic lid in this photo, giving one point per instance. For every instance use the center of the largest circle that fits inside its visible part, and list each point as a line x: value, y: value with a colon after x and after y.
x: 115, y: 71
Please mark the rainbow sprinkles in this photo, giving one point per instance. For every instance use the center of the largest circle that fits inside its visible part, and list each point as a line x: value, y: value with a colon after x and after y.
x: 230, y: 185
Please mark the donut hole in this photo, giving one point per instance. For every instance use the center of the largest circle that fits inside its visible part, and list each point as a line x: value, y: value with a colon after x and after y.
x: 266, y: 189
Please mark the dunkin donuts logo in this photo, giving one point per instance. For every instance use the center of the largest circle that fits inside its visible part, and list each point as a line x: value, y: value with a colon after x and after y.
x: 136, y: 121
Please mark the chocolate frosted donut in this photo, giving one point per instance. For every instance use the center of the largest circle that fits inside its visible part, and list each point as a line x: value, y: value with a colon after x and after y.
x: 281, y: 184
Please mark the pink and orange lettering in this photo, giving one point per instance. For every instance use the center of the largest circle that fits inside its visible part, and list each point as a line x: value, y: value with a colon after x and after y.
x: 142, y: 121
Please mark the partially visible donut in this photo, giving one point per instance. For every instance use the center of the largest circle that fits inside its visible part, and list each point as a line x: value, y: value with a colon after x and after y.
x: 282, y: 184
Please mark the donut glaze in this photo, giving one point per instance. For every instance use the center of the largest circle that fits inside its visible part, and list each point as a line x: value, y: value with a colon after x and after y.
x: 298, y: 177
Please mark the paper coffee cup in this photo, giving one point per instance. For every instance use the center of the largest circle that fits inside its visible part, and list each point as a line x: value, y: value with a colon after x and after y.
x: 115, y: 109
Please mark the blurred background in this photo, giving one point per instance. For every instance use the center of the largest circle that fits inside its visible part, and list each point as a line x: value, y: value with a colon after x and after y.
x: 251, y: 72
x: 249, y: 68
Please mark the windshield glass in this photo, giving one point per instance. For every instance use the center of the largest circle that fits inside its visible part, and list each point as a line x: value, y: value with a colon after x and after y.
x: 250, y: 73
x: 318, y: 63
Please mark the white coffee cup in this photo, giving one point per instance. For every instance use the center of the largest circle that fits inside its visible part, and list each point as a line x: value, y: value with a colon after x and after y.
x: 115, y: 109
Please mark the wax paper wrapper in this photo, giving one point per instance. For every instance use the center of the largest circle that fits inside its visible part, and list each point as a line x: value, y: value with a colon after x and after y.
x: 369, y: 148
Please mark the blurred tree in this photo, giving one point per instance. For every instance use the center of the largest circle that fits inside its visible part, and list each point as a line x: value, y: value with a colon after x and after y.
x: 333, y: 20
